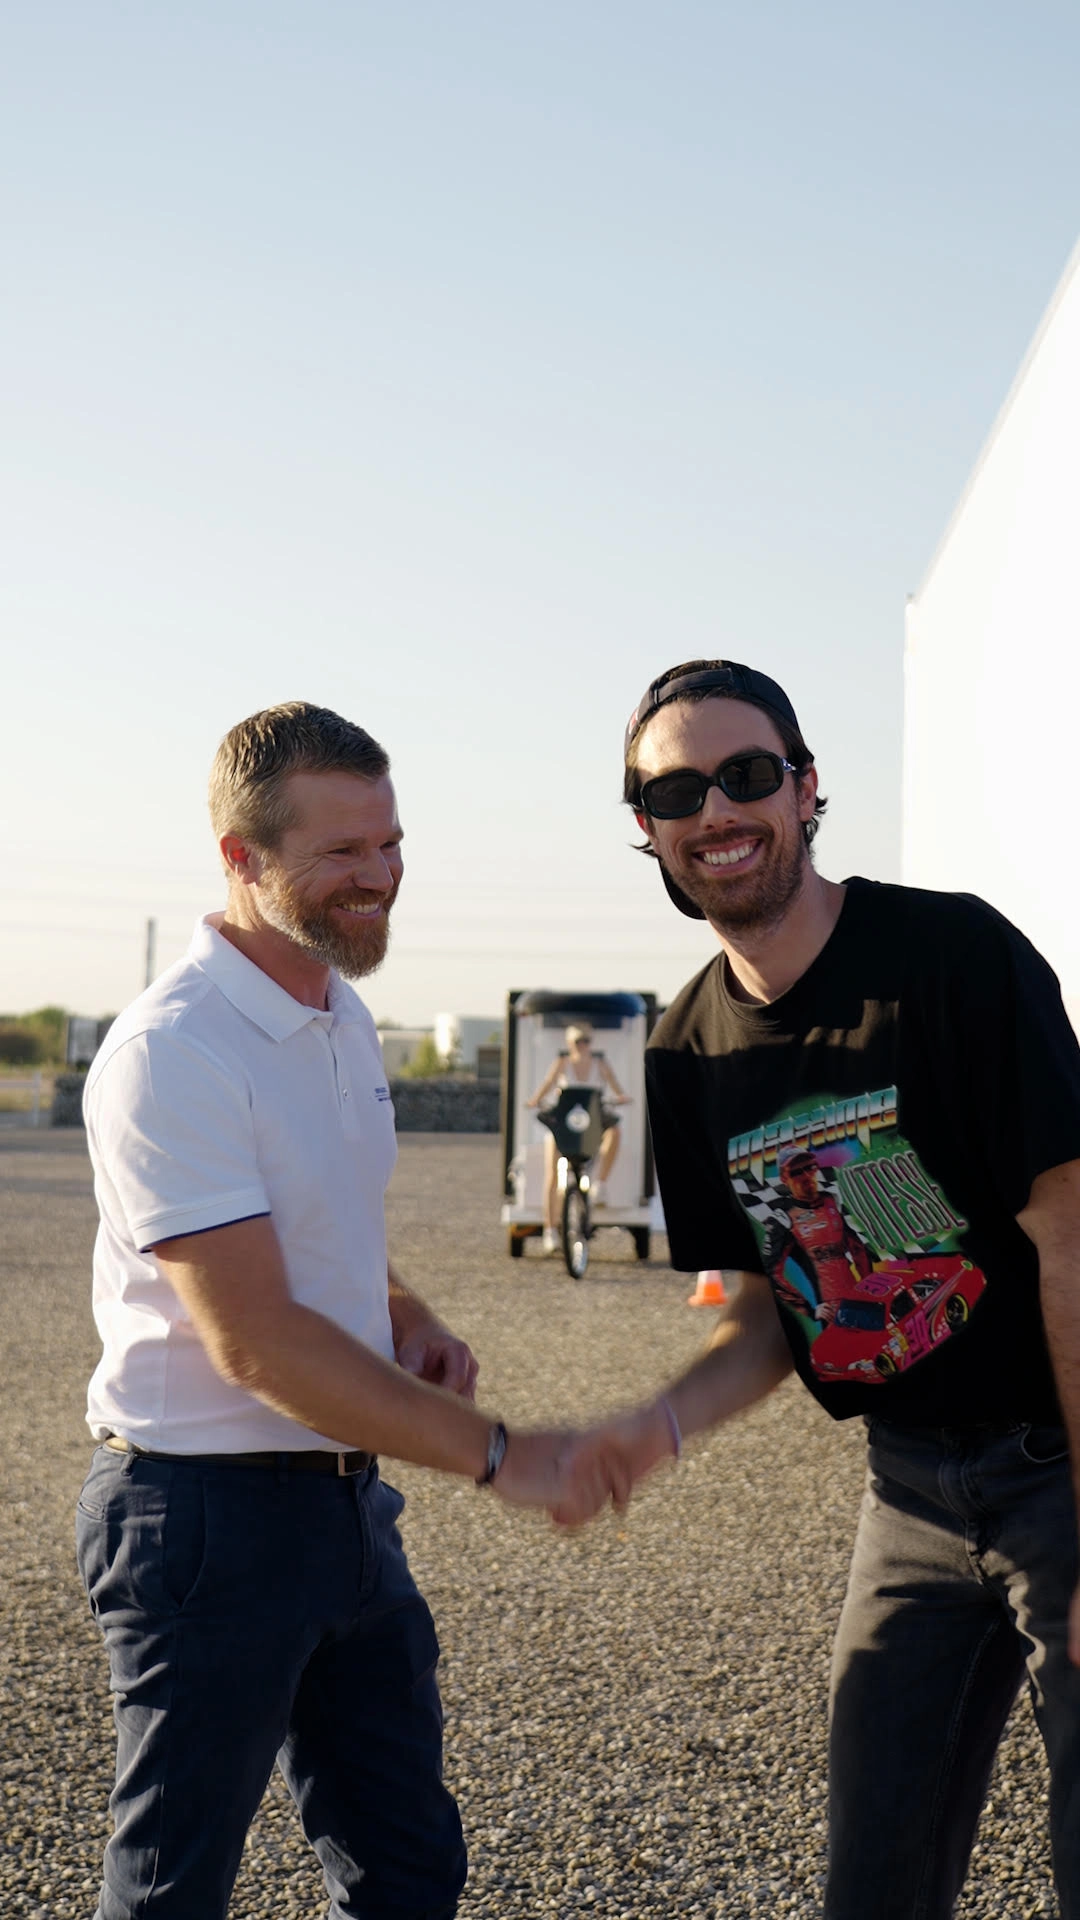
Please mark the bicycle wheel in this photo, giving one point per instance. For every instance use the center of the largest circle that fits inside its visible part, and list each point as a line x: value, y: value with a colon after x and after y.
x: 575, y: 1229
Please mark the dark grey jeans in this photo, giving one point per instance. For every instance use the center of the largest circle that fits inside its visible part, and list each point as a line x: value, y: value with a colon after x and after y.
x: 964, y: 1565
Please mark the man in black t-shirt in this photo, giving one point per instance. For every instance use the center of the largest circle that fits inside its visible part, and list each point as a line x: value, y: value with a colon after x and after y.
x: 869, y: 1103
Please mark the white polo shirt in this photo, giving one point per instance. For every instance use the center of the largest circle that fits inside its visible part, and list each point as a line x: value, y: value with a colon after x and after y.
x: 217, y: 1096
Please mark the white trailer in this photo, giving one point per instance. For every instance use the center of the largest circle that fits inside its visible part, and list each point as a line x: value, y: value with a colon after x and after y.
x: 992, y: 665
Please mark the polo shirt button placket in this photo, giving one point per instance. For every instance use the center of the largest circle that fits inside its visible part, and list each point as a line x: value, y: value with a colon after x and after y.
x: 343, y: 1091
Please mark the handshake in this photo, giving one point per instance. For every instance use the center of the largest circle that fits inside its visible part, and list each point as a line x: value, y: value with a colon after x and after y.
x: 574, y: 1474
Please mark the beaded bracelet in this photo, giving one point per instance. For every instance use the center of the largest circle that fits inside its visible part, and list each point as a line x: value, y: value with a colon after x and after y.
x: 673, y: 1425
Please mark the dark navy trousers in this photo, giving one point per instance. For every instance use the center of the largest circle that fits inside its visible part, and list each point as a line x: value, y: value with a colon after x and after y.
x: 254, y: 1614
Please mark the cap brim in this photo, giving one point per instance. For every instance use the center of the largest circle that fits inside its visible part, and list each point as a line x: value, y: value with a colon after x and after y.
x: 682, y: 900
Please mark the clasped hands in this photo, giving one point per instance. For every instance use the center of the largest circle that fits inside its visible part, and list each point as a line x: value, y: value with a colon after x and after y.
x: 575, y: 1474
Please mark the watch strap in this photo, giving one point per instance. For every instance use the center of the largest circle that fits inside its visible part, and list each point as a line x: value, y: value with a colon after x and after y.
x: 496, y: 1454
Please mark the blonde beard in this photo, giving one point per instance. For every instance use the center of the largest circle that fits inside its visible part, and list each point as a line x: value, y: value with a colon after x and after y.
x: 352, y: 954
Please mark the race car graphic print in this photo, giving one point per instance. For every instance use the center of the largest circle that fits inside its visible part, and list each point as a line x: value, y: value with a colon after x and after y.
x: 861, y: 1246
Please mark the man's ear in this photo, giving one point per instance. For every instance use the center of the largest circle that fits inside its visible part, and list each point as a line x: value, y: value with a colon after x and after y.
x: 808, y: 786
x: 241, y: 860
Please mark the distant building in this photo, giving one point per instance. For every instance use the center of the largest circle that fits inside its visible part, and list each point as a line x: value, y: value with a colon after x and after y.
x: 399, y: 1044
x: 992, y: 664
x: 84, y: 1036
x: 458, y: 1036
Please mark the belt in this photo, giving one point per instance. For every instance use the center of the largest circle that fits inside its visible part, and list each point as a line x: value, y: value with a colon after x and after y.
x: 317, y: 1461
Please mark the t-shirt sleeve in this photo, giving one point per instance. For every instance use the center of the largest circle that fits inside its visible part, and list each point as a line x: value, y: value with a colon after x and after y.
x: 1015, y: 1059
x: 174, y: 1139
x: 705, y: 1224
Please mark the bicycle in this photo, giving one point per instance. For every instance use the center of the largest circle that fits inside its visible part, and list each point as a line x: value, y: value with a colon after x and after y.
x: 577, y: 1126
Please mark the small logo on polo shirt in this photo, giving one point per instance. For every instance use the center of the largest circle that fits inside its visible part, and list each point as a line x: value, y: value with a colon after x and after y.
x: 382, y: 1092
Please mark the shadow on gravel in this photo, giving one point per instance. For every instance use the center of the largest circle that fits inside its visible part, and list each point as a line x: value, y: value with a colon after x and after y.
x: 635, y: 1714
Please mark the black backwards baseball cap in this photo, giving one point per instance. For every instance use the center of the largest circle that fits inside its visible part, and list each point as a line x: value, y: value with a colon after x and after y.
x: 727, y: 680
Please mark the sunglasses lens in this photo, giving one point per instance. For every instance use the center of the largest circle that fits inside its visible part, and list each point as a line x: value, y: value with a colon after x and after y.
x: 674, y: 796
x: 751, y: 776
x: 746, y: 776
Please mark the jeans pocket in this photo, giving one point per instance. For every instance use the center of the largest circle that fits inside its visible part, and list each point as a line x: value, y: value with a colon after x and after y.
x: 146, y: 1551
x: 96, y: 1488
x: 391, y: 1504
x: 183, y: 1546
x: 1044, y: 1446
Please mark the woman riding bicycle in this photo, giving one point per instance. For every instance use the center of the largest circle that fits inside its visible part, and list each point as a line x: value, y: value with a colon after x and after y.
x: 577, y: 1065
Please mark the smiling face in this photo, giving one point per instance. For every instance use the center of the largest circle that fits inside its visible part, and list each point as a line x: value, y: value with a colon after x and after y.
x: 743, y: 863
x: 330, y: 883
x: 801, y: 1181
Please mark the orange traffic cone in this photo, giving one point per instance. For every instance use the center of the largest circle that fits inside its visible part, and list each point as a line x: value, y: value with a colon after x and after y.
x: 710, y: 1289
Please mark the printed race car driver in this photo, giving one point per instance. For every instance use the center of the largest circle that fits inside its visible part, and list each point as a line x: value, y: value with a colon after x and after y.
x: 817, y: 1239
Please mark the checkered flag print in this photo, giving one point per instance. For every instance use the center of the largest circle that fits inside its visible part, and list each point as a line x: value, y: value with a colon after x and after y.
x: 768, y: 1205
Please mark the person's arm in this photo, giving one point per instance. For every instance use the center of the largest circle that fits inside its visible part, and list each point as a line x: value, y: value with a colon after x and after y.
x: 608, y: 1073
x: 1051, y: 1219
x: 233, y: 1283
x: 546, y: 1083
x: 424, y: 1346
x: 745, y: 1359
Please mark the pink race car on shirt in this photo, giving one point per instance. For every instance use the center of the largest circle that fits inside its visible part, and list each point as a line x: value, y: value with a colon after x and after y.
x: 896, y: 1315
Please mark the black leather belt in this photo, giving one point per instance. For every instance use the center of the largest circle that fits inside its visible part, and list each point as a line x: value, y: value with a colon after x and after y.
x: 317, y: 1461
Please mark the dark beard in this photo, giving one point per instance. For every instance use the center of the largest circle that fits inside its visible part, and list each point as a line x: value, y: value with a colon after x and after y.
x: 352, y: 953
x: 754, y: 906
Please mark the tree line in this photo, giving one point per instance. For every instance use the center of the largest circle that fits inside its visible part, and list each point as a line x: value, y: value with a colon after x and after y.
x: 36, y: 1039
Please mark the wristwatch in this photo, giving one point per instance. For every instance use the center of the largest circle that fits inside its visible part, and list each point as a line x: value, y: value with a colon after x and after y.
x: 496, y: 1454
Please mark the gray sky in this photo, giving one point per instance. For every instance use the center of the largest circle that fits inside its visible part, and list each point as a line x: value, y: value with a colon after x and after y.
x: 461, y: 367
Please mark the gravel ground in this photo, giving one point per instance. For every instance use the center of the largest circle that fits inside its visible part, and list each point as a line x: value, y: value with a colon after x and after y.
x: 635, y: 1715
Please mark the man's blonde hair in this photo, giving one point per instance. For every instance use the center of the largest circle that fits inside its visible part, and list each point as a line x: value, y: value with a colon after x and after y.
x: 256, y: 757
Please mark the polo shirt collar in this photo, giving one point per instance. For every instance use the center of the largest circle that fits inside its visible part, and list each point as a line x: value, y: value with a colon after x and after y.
x: 256, y: 996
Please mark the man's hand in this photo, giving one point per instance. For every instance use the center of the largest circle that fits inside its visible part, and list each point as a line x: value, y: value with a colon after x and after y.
x: 1052, y: 1220
x: 557, y: 1469
x: 433, y: 1353
x: 424, y: 1347
x: 615, y: 1455
x: 575, y: 1475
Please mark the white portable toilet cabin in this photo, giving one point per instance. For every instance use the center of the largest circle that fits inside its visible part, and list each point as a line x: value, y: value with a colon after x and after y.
x: 536, y: 1023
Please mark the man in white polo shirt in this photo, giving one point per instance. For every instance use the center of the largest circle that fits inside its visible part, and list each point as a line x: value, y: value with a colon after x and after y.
x: 238, y: 1546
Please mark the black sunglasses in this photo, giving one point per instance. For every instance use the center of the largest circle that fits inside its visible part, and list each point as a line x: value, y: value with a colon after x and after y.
x: 746, y: 776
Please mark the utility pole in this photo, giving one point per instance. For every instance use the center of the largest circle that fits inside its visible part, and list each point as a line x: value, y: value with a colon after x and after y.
x: 151, y: 952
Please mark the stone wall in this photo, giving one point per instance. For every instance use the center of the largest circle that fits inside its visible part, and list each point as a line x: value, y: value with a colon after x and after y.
x: 66, y: 1109
x: 446, y: 1105
x: 439, y: 1105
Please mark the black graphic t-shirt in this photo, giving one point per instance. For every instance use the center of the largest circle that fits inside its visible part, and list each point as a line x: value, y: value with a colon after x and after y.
x: 867, y: 1142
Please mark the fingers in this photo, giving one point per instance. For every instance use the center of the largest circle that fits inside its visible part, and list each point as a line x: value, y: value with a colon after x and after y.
x: 443, y: 1361
x: 576, y: 1475
x: 459, y: 1369
x: 595, y: 1470
x: 465, y: 1376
